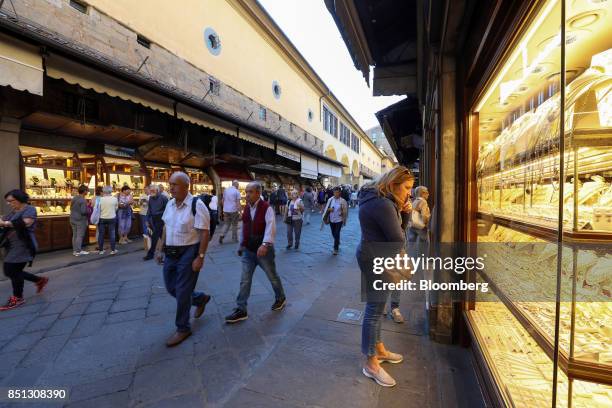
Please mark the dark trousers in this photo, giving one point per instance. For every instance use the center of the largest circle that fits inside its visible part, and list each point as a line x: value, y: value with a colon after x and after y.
x: 180, y: 281
x: 250, y: 261
x: 15, y: 272
x: 214, y: 220
x: 335, y: 229
x: 111, y: 224
x: 157, y: 225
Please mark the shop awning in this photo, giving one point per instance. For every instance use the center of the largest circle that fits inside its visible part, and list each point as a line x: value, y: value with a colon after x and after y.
x: 327, y: 169
x: 256, y: 139
x: 310, y: 168
x: 198, y: 117
x: 20, y: 66
x: 288, y: 152
x: 232, y: 172
x: 88, y: 78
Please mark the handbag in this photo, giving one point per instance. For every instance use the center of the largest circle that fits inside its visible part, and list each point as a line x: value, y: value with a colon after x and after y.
x: 94, y: 219
x: 416, y: 220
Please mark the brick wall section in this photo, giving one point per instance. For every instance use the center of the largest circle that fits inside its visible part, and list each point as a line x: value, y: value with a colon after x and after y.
x: 99, y: 35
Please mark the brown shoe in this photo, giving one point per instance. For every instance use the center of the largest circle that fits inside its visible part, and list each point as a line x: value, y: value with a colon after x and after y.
x: 177, y: 338
x: 200, y: 309
x: 40, y: 285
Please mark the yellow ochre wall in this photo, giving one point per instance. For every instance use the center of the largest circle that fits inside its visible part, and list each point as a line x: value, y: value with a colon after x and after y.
x: 249, y: 60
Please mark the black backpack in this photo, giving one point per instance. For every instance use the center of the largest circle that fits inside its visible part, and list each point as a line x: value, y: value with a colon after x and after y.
x: 206, y: 199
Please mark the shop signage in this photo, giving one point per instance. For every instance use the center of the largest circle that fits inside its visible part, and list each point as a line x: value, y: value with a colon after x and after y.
x: 288, y: 153
x: 119, y: 151
x: 309, y: 167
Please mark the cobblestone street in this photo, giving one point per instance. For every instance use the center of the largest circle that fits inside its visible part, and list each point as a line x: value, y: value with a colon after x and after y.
x: 99, y: 330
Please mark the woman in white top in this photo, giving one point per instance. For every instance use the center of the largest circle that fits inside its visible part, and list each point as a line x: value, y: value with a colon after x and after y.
x: 335, y: 214
x: 108, y: 219
x: 143, y: 202
x: 293, y: 218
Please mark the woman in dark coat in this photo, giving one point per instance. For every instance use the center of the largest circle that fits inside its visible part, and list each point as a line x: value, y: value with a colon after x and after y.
x: 381, y: 208
x: 19, y: 245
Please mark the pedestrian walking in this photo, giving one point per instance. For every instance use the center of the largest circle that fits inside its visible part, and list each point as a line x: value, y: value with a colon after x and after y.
x: 257, y: 249
x: 19, y: 246
x: 79, y: 221
x: 213, y: 209
x: 231, y: 211
x: 157, y: 206
x: 274, y: 199
x: 335, y: 214
x: 124, y: 214
x: 380, y: 207
x: 309, y: 203
x: 143, y: 204
x: 293, y: 219
x: 182, y: 250
x: 108, y: 219
x: 419, y: 219
x: 281, y: 198
x: 354, y: 198
x: 321, y: 198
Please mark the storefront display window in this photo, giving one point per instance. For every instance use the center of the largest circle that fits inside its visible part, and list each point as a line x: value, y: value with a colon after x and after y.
x: 542, y: 174
x: 200, y: 182
x: 51, y: 178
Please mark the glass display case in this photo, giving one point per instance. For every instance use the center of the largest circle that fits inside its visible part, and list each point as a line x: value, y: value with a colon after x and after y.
x: 122, y: 172
x: 541, y: 182
x: 160, y: 174
x: 200, y: 182
x: 51, y: 178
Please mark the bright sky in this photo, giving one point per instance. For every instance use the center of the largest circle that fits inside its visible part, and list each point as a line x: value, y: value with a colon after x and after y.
x: 311, y: 28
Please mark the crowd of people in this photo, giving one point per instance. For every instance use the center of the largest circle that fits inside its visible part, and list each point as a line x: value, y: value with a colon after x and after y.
x: 179, y: 226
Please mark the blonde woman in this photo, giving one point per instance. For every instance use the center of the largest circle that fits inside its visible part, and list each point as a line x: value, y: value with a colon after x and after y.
x: 380, y: 206
x: 294, y: 211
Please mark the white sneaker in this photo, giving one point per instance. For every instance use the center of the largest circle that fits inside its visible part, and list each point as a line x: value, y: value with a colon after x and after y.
x: 390, y: 357
x: 76, y: 253
x: 84, y: 253
x: 397, y: 315
x: 101, y: 253
x: 381, y: 377
x: 113, y: 252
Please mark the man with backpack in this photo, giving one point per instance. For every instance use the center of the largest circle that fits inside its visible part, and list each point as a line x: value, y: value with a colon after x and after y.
x: 182, y: 250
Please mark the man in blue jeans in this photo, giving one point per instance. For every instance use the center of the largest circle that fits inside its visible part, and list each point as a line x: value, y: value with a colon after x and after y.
x: 183, y: 248
x: 257, y: 249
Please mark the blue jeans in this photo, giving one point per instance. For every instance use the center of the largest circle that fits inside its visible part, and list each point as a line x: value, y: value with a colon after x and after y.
x: 144, y: 221
x: 395, y: 298
x: 180, y: 281
x: 111, y: 223
x: 370, y: 329
x: 250, y: 260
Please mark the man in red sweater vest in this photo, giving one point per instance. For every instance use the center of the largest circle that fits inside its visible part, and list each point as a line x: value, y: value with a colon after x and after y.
x: 257, y: 248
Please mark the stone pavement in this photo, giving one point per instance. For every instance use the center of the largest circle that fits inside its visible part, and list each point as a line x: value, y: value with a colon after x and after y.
x: 99, y: 330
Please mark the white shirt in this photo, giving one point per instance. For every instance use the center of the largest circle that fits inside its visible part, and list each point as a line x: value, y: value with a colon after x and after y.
x: 336, y: 206
x: 231, y: 200
x: 214, y: 202
x: 182, y: 228
x: 108, y: 207
x: 270, y: 231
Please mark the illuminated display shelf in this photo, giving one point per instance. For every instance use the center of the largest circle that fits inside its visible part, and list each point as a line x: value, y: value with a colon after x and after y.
x: 541, y: 169
x: 516, y: 272
x: 525, y: 370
